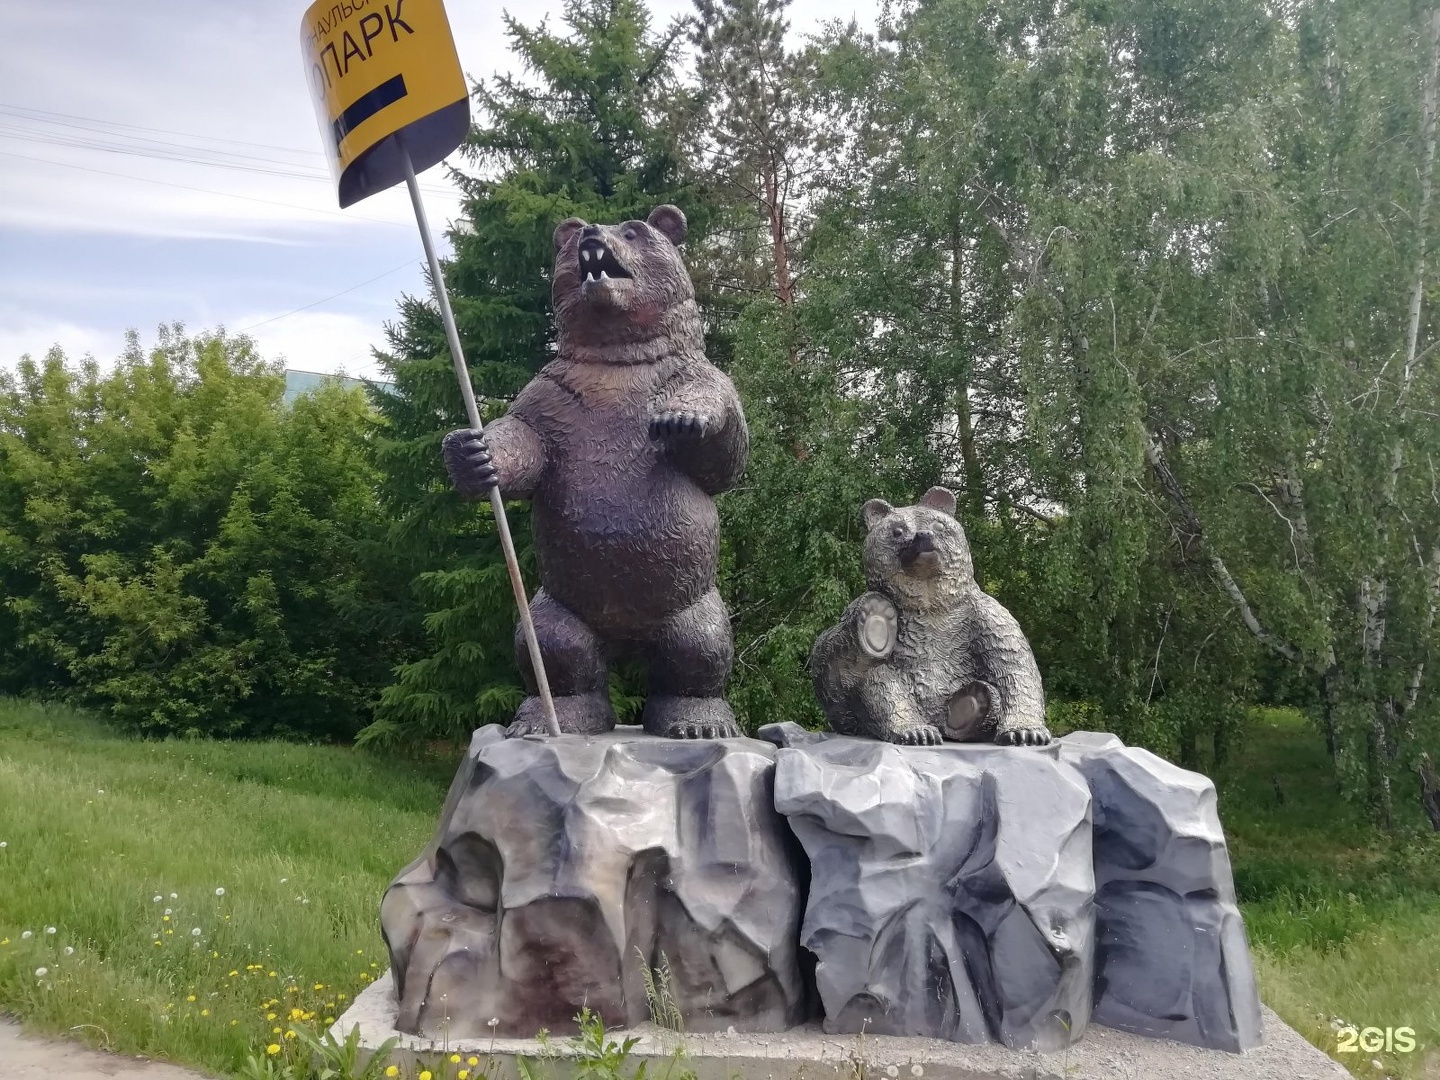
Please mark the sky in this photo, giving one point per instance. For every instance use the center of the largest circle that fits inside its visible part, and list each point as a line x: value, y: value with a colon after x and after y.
x: 160, y: 162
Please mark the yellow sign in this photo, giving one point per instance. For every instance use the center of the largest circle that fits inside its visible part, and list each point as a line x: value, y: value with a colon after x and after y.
x: 386, y: 81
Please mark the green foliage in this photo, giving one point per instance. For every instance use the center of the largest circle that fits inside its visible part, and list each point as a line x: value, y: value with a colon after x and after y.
x: 587, y: 132
x: 176, y: 546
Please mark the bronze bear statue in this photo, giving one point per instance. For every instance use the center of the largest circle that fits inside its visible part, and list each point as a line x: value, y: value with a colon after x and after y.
x: 621, y: 443
x: 926, y: 655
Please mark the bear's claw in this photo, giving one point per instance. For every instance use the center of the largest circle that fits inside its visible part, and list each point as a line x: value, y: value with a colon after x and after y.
x: 919, y: 735
x: 1024, y: 736
x: 678, y: 425
x: 467, y: 460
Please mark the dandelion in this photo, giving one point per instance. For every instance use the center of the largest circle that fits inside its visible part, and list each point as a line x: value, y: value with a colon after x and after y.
x: 26, y: 935
x: 158, y: 899
x: 290, y: 1034
x: 463, y: 1074
x: 158, y: 943
x: 329, y: 1020
x: 233, y: 974
x: 195, y: 932
x: 204, y: 1012
x: 190, y: 998
x: 392, y: 1070
x: 492, y: 1022
x: 219, y: 892
x: 3, y: 844
x: 272, y: 974
x: 5, y: 942
x: 425, y: 1075
x: 174, y: 896
x: 454, y: 1059
x: 49, y: 929
x: 234, y: 1023
x: 69, y: 950
x: 283, y: 880
x: 269, y: 1016
x: 41, y: 972
x: 273, y: 1049
x: 472, y: 1061
x: 318, y: 986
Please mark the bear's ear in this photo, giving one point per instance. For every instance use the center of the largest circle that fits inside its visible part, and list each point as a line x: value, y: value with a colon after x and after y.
x: 670, y: 221
x: 875, y: 511
x: 939, y: 498
x: 565, y: 230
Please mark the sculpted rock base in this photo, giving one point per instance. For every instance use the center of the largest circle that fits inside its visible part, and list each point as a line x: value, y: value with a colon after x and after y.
x: 951, y: 887
x: 564, y: 869
x: 971, y: 892
x: 1171, y: 956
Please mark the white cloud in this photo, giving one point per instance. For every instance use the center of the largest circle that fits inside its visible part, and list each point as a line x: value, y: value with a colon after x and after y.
x: 324, y: 341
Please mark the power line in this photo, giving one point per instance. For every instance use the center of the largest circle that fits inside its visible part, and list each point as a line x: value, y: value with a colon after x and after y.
x: 162, y: 150
x: 326, y: 299
x: 206, y: 191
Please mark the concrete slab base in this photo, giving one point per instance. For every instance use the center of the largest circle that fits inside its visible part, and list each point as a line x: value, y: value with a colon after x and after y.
x: 808, y: 1054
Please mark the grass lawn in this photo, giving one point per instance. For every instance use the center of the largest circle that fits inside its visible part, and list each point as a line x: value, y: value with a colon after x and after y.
x: 104, y: 836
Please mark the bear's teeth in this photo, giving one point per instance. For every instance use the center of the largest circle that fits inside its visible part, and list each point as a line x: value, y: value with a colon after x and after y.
x: 585, y: 255
x: 604, y: 276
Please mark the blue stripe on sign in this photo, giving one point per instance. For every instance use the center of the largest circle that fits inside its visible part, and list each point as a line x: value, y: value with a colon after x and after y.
x: 368, y: 104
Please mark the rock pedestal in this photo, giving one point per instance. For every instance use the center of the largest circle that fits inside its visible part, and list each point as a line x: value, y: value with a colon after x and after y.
x: 564, y: 871
x: 972, y: 892
x: 1171, y: 959
x: 951, y: 887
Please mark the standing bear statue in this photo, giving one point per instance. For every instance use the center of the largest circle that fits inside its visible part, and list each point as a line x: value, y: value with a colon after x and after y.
x: 621, y: 443
x: 925, y: 655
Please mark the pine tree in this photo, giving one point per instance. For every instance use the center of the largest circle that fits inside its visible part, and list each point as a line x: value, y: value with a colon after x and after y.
x: 589, y: 130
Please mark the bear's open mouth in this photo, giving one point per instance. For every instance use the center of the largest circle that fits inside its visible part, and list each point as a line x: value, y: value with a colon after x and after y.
x: 598, y: 262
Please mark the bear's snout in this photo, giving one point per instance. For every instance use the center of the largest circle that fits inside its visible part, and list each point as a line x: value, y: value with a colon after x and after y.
x: 920, y: 550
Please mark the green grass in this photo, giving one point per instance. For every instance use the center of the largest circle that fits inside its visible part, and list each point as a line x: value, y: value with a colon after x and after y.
x: 302, y: 839
x: 1344, y: 922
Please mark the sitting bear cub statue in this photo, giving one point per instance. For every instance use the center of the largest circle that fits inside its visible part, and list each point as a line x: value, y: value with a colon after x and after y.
x: 621, y: 443
x: 926, y: 655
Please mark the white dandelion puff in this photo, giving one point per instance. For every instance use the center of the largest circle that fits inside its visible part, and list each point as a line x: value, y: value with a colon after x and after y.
x: 26, y: 935
x: 69, y: 950
x: 220, y: 892
x: 49, y: 929
x: 41, y: 972
x: 167, y: 911
x: 3, y: 844
x: 174, y: 896
x: 195, y: 932
x: 158, y: 899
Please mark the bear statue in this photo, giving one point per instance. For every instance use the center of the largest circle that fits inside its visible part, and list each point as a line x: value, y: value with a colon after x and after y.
x: 926, y: 654
x: 621, y: 443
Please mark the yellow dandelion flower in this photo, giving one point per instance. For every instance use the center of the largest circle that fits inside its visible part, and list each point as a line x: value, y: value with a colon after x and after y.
x: 290, y: 1034
x: 233, y: 1023
x: 472, y: 1061
x: 454, y: 1059
x: 170, y: 931
x: 425, y: 1074
x: 204, y: 1012
x: 191, y: 997
x: 5, y: 942
x: 165, y: 918
x: 342, y: 997
x: 269, y: 1016
x: 329, y: 1020
x: 273, y: 1049
x: 159, y: 944
x: 272, y: 974
x: 296, y: 1014
x: 274, y: 1031
x: 463, y: 1074
x: 318, y: 986
x: 392, y: 1070
x: 233, y: 974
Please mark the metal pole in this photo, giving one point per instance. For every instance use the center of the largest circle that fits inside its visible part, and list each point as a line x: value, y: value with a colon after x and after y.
x: 472, y: 412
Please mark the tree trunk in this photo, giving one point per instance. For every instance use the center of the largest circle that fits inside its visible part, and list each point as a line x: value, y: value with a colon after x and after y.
x: 1430, y: 791
x: 974, y: 480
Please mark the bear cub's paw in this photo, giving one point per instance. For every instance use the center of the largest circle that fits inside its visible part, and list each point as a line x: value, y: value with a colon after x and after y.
x: 680, y: 426
x: 1024, y: 736
x: 915, y: 735
x: 877, y: 626
x: 467, y: 460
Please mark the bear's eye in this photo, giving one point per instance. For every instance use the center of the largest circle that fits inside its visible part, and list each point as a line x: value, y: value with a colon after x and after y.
x: 630, y: 234
x: 897, y: 531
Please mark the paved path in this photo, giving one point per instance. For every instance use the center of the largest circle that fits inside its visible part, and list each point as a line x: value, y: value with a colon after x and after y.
x: 34, y: 1057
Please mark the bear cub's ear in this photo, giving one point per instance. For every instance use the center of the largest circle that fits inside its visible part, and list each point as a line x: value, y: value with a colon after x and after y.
x: 669, y: 221
x: 566, y: 229
x: 876, y: 511
x: 939, y: 498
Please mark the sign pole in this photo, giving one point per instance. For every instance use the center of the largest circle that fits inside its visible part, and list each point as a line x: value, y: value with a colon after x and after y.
x: 472, y: 412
